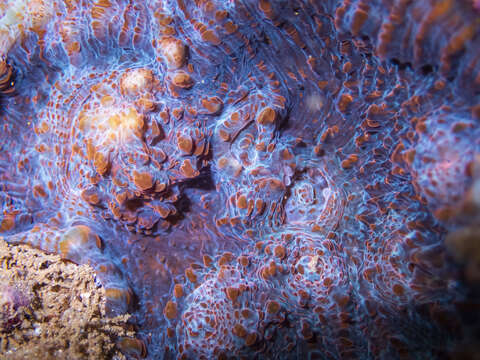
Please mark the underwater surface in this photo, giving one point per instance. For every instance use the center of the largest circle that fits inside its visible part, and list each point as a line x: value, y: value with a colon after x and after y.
x: 250, y: 179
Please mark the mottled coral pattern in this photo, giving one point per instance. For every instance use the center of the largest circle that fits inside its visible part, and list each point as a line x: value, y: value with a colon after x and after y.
x: 250, y: 179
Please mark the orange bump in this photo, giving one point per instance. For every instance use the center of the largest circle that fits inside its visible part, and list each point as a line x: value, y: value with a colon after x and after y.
x: 267, y: 116
x: 210, y: 37
x: 178, y: 290
x: 39, y: 191
x: 398, y: 289
x: 143, y: 180
x: 239, y: 330
x: 259, y: 205
x: 107, y: 100
x: 348, y: 162
x: 260, y: 146
x: 132, y: 347
x: 243, y: 260
x: 191, y: 275
x: 170, y: 310
x: 224, y: 135
x: 279, y: 251
x: 232, y: 293
x: 273, y: 307
x: 185, y: 143
x: 225, y: 259
x: 8, y: 223
x: 460, y: 126
x: 136, y: 81
x: 221, y: 15
x: 242, y: 202
x: 145, y: 104
x: 174, y: 51
x: 213, y: 105
x: 159, y: 186
x: 286, y: 154
x: 409, y: 156
x: 359, y: 18
x: 182, y: 80
x: 271, y: 270
x: 246, y: 313
x: 188, y: 170
x: 101, y: 163
x: 74, y: 237
x: 222, y: 162
x: 235, y: 116
x: 230, y: 27
x: 162, y: 210
x: 207, y: 260
x: 266, y: 8
x: 73, y: 47
x: 118, y: 295
x: 344, y: 102
x: 322, y: 84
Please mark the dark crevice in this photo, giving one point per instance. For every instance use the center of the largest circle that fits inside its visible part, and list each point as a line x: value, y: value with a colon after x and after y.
x: 427, y: 69
x: 401, y: 65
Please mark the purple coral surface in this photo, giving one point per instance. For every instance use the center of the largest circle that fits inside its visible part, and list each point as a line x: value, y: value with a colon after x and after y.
x: 250, y: 179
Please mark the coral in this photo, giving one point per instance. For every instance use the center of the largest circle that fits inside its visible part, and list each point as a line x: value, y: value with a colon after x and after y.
x: 56, y: 310
x: 256, y: 179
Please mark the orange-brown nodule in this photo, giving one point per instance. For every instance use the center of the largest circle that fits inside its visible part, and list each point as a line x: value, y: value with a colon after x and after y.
x: 174, y: 51
x: 267, y: 116
x: 170, y: 310
x: 143, y: 180
x: 136, y: 82
x: 182, y: 80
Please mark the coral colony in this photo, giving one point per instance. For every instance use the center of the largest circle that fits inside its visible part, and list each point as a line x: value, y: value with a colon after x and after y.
x: 250, y: 179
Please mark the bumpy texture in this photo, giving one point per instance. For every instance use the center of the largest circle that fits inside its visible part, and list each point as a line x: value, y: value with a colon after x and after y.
x: 51, y: 309
x: 257, y: 179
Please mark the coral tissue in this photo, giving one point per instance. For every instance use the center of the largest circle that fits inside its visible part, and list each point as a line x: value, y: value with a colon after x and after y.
x: 250, y: 179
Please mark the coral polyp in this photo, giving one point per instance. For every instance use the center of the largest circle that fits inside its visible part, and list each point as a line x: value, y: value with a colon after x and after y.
x: 249, y: 179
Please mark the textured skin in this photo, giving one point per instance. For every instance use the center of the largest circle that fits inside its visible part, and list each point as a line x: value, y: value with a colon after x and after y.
x: 250, y: 178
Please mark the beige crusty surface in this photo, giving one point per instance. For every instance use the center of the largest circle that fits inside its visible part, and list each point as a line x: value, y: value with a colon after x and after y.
x: 65, y: 317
